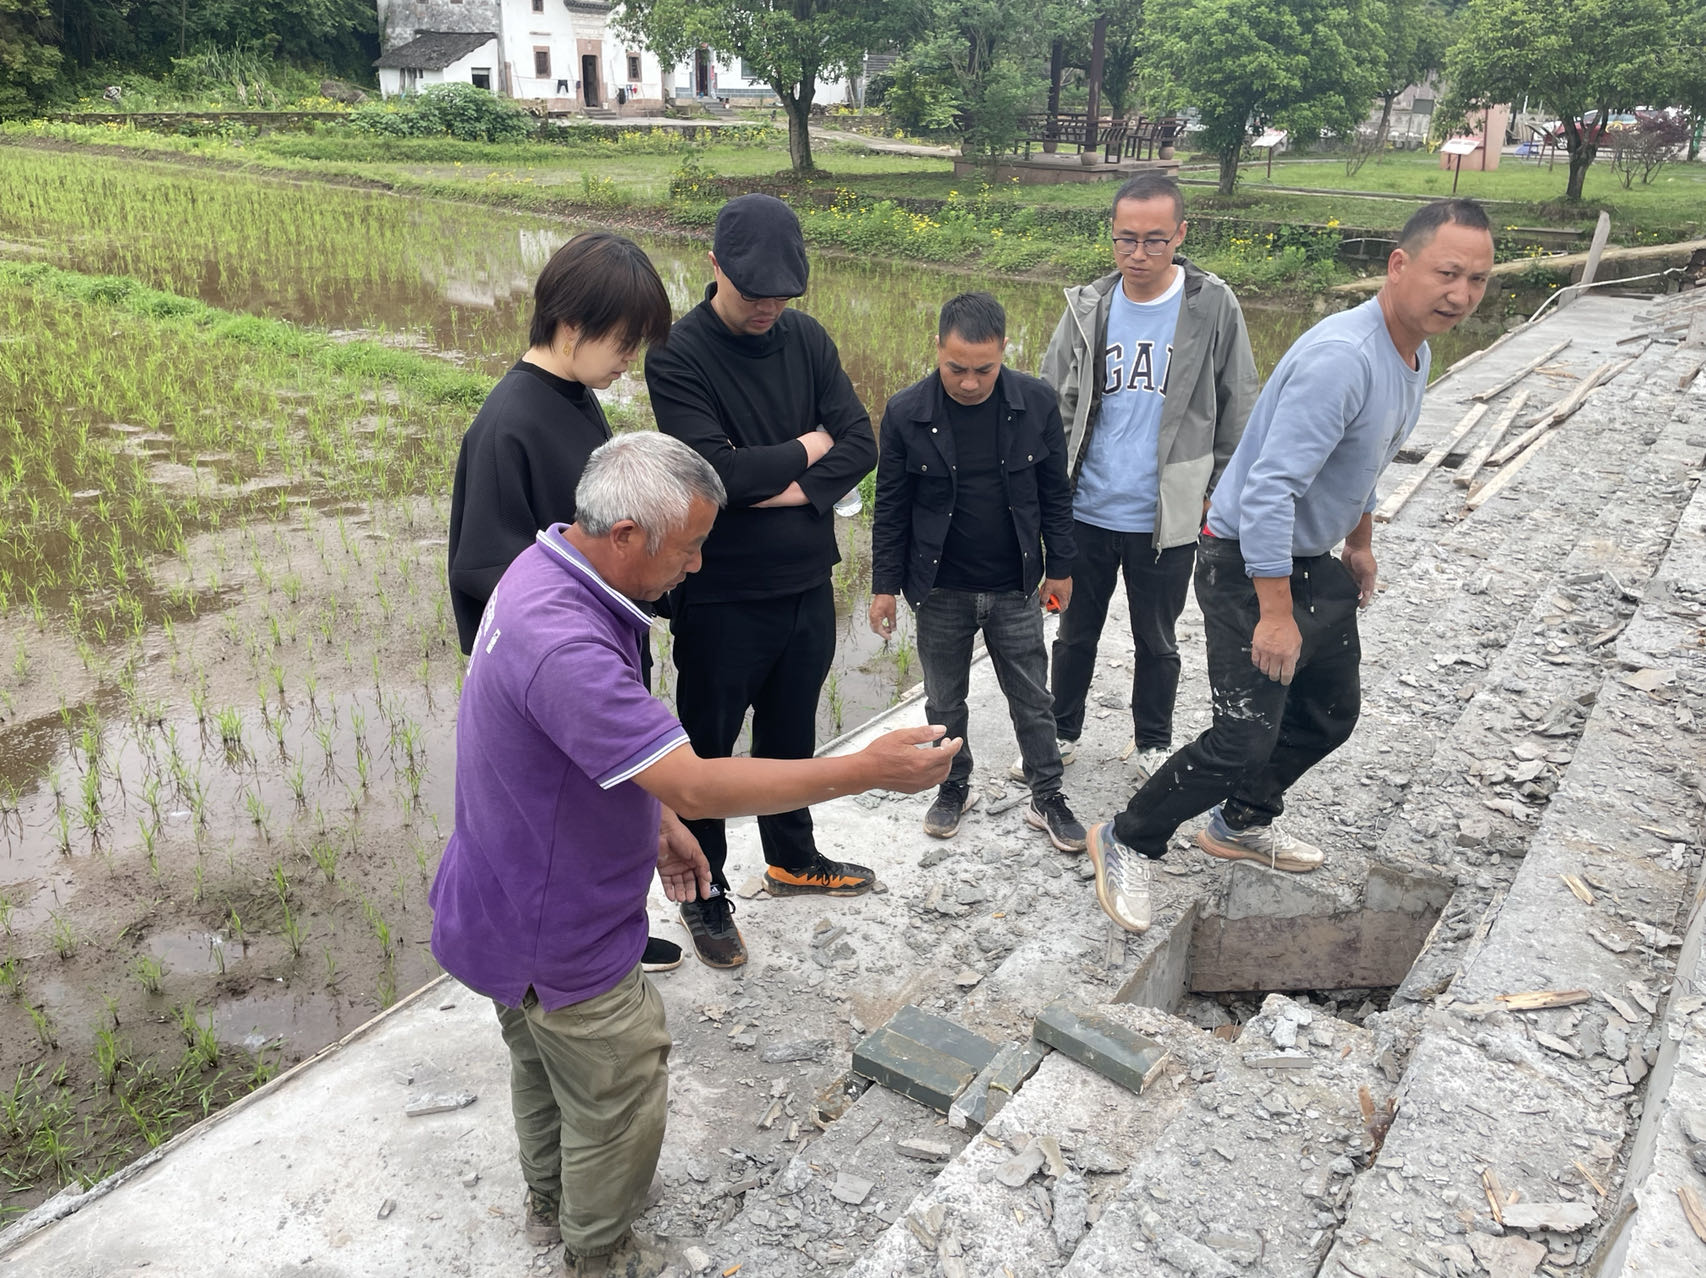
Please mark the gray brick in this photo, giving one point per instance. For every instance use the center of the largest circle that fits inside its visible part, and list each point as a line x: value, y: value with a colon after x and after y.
x: 1098, y: 1042
x: 923, y: 1057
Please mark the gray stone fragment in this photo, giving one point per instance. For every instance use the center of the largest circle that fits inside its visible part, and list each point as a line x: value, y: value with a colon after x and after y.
x: 1191, y: 1257
x: 1694, y: 1125
x: 1563, y: 1218
x: 929, y: 1151
x: 795, y: 1050
x: 852, y: 1189
x: 697, y: 1259
x: 439, y: 1104
x: 1071, y: 1211
x: 1021, y: 1167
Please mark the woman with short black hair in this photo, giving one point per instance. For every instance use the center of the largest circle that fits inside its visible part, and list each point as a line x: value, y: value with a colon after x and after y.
x: 598, y: 300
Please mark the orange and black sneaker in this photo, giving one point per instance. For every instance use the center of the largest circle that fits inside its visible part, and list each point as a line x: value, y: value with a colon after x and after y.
x: 820, y: 876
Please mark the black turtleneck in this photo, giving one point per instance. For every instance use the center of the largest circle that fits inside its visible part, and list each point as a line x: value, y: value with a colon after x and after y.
x: 743, y: 402
x: 517, y: 471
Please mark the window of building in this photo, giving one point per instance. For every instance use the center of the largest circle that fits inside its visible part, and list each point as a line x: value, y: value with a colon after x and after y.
x: 746, y: 71
x: 542, y: 63
x: 633, y: 66
x: 538, y: 6
x: 481, y: 78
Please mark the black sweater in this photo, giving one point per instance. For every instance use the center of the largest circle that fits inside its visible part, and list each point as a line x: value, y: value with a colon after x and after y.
x: 517, y: 472
x: 743, y: 402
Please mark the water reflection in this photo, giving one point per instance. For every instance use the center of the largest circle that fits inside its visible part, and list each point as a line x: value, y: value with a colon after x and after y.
x: 457, y: 279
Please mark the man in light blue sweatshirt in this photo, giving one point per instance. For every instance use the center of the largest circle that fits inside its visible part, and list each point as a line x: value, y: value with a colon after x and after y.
x: 1279, y: 610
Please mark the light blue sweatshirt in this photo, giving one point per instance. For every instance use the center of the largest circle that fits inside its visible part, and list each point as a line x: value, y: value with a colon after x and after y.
x: 1330, y: 420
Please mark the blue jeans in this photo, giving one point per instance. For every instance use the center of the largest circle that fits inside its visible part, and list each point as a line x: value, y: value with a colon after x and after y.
x: 1012, y: 626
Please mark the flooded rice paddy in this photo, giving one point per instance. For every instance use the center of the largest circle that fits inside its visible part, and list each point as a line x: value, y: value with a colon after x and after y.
x: 227, y: 669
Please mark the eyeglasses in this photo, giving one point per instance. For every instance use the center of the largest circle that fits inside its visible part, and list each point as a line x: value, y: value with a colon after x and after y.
x: 1154, y: 245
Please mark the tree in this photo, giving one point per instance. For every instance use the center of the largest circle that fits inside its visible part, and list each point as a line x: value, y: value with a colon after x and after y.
x: 29, y: 56
x: 787, y: 43
x: 1688, y: 61
x: 1579, y: 57
x: 1413, y: 41
x: 1291, y: 63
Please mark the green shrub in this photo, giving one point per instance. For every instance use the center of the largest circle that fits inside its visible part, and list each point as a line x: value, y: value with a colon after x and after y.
x: 457, y: 110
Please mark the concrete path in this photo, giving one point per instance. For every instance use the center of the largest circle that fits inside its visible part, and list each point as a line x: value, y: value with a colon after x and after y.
x: 1533, y: 701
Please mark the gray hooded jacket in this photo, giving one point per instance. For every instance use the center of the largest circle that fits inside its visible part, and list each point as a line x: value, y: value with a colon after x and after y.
x: 1211, y: 388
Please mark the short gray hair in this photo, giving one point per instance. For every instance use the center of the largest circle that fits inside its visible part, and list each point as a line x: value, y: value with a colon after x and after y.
x: 647, y: 477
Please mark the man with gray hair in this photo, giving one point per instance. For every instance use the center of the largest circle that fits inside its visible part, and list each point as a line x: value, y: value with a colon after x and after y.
x: 562, y: 759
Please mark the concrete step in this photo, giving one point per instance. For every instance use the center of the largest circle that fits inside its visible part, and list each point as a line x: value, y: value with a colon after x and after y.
x: 1537, y: 1108
x: 969, y: 1220
x: 1205, y: 1168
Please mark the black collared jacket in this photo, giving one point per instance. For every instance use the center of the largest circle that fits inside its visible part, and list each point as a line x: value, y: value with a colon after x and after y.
x: 916, y: 484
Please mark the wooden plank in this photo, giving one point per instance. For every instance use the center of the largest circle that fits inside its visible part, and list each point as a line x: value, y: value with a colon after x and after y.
x: 1493, y: 392
x: 1481, y: 493
x: 1690, y: 373
x: 1553, y: 416
x: 1398, y: 496
x: 1466, y: 472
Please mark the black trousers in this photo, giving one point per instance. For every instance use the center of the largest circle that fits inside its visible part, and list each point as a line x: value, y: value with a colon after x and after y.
x: 1265, y: 734
x: 1155, y: 587
x: 769, y: 655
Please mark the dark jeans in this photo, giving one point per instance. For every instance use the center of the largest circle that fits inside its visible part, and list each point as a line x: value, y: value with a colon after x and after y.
x: 771, y: 655
x: 1265, y: 735
x: 1012, y: 625
x: 1155, y: 589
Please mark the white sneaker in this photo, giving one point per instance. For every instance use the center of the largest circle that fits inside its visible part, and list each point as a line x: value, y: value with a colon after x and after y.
x: 1148, y: 762
x: 1122, y: 878
x: 1267, y: 845
x: 1068, y: 752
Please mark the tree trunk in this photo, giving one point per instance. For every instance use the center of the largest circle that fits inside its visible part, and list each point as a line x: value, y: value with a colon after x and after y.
x: 1581, y: 152
x: 1386, y: 100
x: 1694, y: 135
x: 799, y: 109
x: 1056, y: 70
x: 1229, y: 166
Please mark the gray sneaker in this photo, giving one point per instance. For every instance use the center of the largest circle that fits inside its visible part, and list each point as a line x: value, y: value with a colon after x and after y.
x: 1122, y: 878
x: 1068, y: 752
x: 1148, y: 761
x: 1264, y: 844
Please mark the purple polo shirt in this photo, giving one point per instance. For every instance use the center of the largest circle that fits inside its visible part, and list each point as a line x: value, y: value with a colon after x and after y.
x: 544, y: 880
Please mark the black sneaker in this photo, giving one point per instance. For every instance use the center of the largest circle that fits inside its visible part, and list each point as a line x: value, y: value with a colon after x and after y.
x: 943, y: 818
x: 712, y: 926
x: 1052, y: 814
x: 660, y: 955
x: 820, y: 877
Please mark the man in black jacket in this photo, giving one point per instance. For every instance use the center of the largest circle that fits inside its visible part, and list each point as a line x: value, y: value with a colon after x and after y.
x: 973, y: 507
x: 758, y: 390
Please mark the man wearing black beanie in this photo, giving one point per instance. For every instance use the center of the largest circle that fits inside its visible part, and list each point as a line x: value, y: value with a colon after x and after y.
x: 758, y: 390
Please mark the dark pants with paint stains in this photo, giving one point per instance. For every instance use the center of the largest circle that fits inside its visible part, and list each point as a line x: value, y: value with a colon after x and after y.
x: 1265, y: 734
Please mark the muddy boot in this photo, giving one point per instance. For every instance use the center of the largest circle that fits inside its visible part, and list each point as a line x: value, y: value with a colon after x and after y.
x: 634, y: 1256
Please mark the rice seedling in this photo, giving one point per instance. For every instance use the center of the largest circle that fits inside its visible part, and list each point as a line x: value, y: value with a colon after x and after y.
x: 150, y: 973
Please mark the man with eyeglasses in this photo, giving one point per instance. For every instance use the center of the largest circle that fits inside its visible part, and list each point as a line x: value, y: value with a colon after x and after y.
x: 1155, y: 377
x: 757, y: 389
